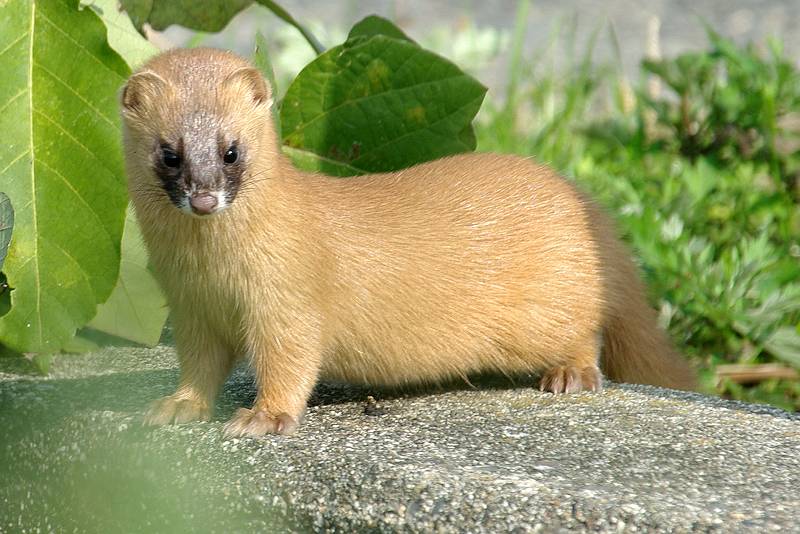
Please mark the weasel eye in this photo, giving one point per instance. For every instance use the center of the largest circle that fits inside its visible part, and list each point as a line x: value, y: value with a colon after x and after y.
x: 231, y: 155
x: 170, y: 158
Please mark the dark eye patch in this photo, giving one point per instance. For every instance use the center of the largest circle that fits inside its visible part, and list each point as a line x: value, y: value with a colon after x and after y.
x: 170, y: 158
x: 234, y: 159
x: 168, y: 163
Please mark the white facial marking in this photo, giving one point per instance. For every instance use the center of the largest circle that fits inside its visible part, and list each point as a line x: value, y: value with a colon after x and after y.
x: 185, y: 206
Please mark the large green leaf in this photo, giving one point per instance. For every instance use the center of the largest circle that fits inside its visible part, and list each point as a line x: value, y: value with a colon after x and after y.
x: 377, y: 103
x: 6, y: 225
x: 122, y: 36
x: 207, y: 16
x: 375, y: 25
x: 62, y: 168
x: 136, y: 309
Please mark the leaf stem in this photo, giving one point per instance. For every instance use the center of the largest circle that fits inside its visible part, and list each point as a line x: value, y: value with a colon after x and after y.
x: 285, y: 16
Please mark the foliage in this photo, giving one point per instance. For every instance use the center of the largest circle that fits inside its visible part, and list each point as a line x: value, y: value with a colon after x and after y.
x: 383, y: 95
x: 702, y: 175
x: 378, y: 103
x: 728, y: 104
x: 62, y: 169
x: 210, y: 15
x: 701, y: 182
x: 136, y: 309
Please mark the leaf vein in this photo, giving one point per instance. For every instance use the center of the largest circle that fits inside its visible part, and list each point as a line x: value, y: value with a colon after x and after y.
x: 14, y: 42
x: 75, y: 140
x: 75, y: 262
x: 8, y: 103
x: 322, y: 115
x: 80, y: 46
x: 412, y: 132
x: 13, y: 161
x: 81, y: 198
x: 76, y: 93
x: 33, y: 179
x: 290, y: 149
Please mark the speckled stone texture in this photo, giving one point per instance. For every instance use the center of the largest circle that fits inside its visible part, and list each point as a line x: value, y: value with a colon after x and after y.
x: 502, y: 457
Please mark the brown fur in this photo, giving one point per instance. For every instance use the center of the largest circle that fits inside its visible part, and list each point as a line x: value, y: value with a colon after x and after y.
x: 477, y: 262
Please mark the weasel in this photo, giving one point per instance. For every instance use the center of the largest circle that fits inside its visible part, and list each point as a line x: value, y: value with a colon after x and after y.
x: 471, y: 263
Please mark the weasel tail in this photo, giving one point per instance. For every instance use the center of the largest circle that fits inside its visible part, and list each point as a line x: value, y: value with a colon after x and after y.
x: 634, y: 348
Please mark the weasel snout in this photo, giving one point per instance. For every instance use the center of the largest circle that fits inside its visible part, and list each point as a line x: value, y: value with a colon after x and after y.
x: 203, y: 203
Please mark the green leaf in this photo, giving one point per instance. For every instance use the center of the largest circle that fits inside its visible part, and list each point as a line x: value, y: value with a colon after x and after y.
x: 6, y: 224
x: 262, y: 61
x: 207, y: 16
x: 62, y: 170
x: 378, y: 104
x: 80, y: 344
x: 136, y: 309
x: 375, y: 25
x: 42, y: 362
x: 6, y: 352
x: 122, y: 36
x: 89, y: 340
x: 310, y: 161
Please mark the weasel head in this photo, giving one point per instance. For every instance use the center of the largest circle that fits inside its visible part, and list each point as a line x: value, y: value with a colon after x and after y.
x: 194, y: 123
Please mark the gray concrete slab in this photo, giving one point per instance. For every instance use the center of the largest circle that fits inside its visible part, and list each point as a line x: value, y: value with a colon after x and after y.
x: 74, y: 457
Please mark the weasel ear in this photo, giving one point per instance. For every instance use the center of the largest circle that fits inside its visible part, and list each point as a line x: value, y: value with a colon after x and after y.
x: 249, y: 80
x: 142, y: 88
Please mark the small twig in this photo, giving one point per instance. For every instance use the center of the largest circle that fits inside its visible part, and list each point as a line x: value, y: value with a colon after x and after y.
x: 285, y: 16
x: 749, y: 374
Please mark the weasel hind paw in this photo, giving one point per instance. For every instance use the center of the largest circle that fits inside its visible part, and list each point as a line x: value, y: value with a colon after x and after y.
x: 175, y: 410
x: 570, y: 379
x: 246, y: 422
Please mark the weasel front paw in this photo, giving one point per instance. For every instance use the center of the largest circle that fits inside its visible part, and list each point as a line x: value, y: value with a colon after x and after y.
x: 176, y: 410
x: 572, y: 380
x: 257, y: 422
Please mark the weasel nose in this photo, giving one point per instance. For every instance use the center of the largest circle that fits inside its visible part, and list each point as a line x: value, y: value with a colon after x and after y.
x: 203, y: 203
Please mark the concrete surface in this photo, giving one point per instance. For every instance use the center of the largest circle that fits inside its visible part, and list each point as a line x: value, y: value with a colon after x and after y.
x: 74, y: 457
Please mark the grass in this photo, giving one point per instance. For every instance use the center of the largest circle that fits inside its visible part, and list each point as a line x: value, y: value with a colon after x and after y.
x: 703, y: 178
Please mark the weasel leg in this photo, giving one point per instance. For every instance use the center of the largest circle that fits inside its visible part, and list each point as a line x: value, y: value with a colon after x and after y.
x: 286, y: 365
x: 580, y: 374
x: 205, y: 363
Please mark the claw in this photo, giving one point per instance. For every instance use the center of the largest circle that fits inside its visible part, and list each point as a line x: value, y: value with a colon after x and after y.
x: 572, y: 380
x: 176, y: 410
x: 246, y: 422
